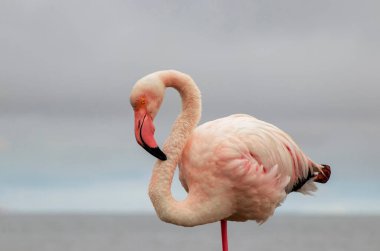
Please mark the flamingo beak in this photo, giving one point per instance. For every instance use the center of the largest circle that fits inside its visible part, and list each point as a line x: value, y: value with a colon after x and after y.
x: 144, y: 133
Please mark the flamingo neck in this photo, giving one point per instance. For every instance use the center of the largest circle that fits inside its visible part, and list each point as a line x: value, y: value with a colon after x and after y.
x: 167, y: 208
x: 190, y: 113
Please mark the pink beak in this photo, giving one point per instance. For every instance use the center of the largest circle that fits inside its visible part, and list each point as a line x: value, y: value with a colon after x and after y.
x: 144, y: 133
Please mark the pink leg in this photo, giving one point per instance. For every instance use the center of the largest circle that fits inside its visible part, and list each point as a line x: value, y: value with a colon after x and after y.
x: 223, y: 224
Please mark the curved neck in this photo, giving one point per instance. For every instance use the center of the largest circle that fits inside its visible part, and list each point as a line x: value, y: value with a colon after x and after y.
x: 163, y: 172
x: 189, y: 116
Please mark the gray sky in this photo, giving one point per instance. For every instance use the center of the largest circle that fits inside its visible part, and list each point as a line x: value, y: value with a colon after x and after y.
x: 81, y: 57
x: 66, y: 70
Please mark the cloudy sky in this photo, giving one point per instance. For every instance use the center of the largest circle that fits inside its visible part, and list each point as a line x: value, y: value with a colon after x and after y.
x: 67, y: 68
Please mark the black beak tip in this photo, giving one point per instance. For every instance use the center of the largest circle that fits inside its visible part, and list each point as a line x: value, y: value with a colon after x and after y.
x: 163, y: 157
x: 156, y: 152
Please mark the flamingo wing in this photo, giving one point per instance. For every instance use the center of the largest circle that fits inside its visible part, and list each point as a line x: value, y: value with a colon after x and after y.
x: 254, y: 163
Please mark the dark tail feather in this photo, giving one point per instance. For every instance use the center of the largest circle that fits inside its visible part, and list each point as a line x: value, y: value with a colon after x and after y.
x: 323, y: 175
x: 320, y: 175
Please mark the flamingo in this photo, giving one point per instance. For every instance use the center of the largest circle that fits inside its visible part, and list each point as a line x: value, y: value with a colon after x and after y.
x: 235, y: 168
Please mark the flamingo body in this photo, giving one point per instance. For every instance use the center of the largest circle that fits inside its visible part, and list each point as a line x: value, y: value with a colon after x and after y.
x: 248, y: 162
x: 235, y: 168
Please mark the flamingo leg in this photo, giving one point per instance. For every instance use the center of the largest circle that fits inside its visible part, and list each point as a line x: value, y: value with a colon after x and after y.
x: 223, y: 224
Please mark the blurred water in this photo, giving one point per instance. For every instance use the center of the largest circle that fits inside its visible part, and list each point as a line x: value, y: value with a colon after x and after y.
x: 55, y: 164
x: 121, y: 232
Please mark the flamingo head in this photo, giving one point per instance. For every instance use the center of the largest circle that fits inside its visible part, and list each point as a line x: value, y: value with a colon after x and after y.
x: 146, y: 98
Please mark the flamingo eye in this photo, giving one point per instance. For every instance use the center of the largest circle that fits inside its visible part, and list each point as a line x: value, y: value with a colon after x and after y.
x: 142, y: 101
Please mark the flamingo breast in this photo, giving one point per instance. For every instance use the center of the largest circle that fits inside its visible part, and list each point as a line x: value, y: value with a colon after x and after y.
x: 251, y: 163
